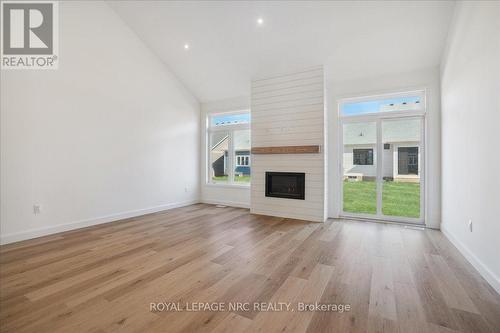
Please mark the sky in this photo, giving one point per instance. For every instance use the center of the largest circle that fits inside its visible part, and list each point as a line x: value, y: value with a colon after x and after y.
x: 229, y: 119
x: 347, y: 109
x: 357, y: 108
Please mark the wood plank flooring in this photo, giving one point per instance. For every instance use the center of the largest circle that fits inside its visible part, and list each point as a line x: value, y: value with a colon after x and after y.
x: 104, y: 278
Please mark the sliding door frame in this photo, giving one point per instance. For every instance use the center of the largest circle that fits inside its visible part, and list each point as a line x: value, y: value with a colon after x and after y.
x: 378, y: 119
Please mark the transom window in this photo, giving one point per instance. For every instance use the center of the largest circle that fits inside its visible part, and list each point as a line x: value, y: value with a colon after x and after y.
x: 380, y: 105
x: 226, y: 119
x: 229, y: 148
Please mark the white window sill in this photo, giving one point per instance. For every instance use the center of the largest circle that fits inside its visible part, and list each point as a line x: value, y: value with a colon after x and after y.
x: 229, y: 185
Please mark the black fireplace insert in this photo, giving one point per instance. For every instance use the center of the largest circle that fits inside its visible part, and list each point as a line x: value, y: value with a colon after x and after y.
x: 288, y: 185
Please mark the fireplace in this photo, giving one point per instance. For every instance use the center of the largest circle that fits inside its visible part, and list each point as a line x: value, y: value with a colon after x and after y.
x: 288, y: 185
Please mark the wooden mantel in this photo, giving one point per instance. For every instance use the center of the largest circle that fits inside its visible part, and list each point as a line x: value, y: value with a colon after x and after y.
x: 287, y: 150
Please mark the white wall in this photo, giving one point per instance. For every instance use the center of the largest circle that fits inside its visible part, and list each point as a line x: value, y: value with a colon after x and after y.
x: 423, y: 79
x: 111, y: 133
x: 231, y: 195
x: 426, y: 78
x: 365, y: 170
x: 289, y: 110
x: 471, y: 136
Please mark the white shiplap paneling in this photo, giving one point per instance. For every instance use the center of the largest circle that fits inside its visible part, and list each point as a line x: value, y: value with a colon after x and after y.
x: 289, y: 110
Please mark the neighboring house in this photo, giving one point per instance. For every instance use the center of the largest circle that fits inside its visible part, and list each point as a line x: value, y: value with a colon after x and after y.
x: 242, y: 162
x: 401, y: 151
x: 219, y: 154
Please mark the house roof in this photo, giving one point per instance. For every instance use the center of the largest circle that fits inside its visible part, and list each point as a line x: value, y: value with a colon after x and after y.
x: 392, y: 131
x: 241, y: 142
x: 221, y: 142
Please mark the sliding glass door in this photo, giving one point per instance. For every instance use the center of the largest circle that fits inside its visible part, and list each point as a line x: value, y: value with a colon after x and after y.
x: 382, y: 160
x: 382, y: 168
x: 402, y: 171
x: 360, y: 168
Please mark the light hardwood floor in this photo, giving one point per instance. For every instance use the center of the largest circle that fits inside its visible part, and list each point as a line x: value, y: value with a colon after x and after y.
x: 103, y: 278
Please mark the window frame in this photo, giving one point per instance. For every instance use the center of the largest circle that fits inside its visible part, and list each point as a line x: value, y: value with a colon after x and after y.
x: 231, y: 161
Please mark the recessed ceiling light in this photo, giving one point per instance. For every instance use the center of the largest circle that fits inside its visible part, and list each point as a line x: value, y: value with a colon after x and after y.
x: 186, y: 46
x: 260, y: 21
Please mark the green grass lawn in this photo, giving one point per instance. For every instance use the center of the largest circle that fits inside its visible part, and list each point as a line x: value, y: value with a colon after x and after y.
x: 240, y: 179
x: 401, y: 199
x: 398, y: 199
x: 220, y: 178
x: 360, y: 197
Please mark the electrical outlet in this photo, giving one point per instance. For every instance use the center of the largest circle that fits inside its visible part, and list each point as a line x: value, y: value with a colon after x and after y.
x: 37, y: 209
x: 470, y: 225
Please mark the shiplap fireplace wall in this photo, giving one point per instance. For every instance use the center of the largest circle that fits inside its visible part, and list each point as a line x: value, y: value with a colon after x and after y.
x: 289, y: 110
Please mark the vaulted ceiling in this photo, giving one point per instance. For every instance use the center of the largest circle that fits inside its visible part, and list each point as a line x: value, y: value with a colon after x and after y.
x: 227, y: 46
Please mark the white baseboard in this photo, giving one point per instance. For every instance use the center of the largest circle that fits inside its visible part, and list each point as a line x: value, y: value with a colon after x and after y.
x: 227, y: 203
x: 39, y: 232
x: 485, y: 272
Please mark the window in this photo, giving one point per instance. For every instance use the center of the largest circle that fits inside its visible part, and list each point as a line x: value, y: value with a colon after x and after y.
x: 388, y: 104
x: 382, y: 156
x: 408, y: 161
x: 219, y: 148
x: 226, y: 119
x: 362, y: 156
x: 229, y: 148
x: 243, y: 160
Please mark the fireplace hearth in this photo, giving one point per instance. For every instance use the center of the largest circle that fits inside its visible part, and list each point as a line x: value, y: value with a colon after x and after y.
x: 287, y: 185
